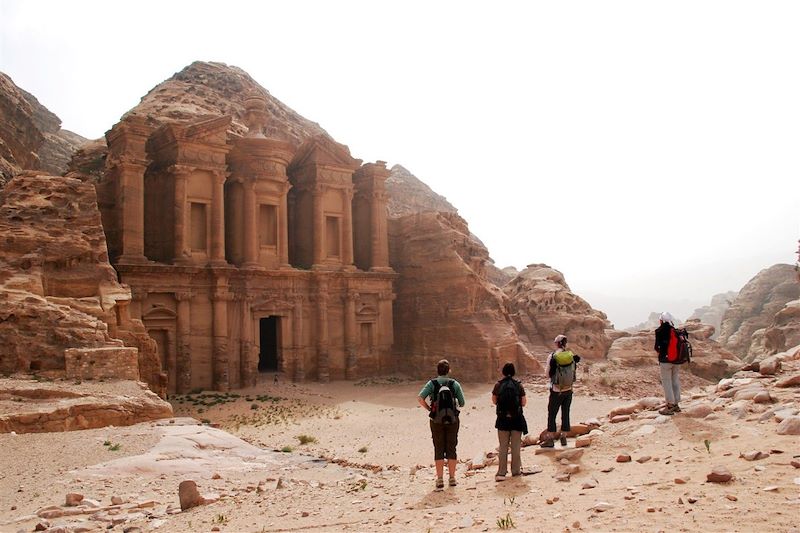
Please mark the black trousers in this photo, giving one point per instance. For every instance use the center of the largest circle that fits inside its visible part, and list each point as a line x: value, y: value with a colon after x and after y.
x: 558, y: 400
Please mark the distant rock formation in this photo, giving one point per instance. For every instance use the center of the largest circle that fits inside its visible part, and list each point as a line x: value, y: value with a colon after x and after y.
x: 31, y: 137
x: 409, y: 195
x: 446, y: 307
x: 543, y: 306
x: 652, y: 322
x: 755, y: 309
x: 712, y: 314
x: 709, y: 361
x: 57, y: 288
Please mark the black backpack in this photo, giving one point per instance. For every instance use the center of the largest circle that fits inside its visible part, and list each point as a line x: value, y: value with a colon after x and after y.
x: 684, y: 347
x: 508, y: 401
x: 443, y: 405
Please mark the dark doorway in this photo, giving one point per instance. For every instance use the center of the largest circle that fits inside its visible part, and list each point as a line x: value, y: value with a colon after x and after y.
x: 268, y: 332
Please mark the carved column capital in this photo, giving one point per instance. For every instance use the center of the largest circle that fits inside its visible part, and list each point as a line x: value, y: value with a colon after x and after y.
x: 181, y: 170
x: 221, y: 296
x: 139, y: 295
x: 182, y: 296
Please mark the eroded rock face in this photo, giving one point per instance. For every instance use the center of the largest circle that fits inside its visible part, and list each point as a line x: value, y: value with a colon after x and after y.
x: 30, y: 135
x: 709, y: 360
x: 543, y: 306
x: 57, y: 289
x: 712, y: 314
x: 445, y: 306
x: 409, y: 195
x: 756, y: 307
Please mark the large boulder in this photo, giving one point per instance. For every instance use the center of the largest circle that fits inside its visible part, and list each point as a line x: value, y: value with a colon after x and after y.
x: 712, y: 314
x: 756, y: 307
x: 445, y: 305
x: 543, y: 306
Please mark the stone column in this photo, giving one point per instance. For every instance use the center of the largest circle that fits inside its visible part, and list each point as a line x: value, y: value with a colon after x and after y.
x: 131, y: 201
x: 323, y: 362
x: 248, y: 366
x: 219, y: 361
x: 218, y: 220
x: 350, y: 335
x: 250, y: 224
x: 347, y: 230
x: 298, y: 344
x: 384, y: 333
x: 183, y: 364
x: 172, y: 363
x: 319, y: 225
x: 181, y: 254
x: 380, y: 237
x: 283, y: 225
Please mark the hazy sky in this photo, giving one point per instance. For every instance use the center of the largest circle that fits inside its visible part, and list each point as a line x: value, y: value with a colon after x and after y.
x: 648, y: 150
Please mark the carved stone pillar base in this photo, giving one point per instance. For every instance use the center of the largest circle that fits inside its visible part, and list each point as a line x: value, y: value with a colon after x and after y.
x: 132, y: 260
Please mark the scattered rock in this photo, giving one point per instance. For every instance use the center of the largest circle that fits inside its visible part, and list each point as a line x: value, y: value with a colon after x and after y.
x: 620, y: 418
x: 719, y: 474
x: 681, y: 480
x: 570, y: 455
x: 795, y: 464
x: 623, y: 458
x: 753, y: 455
x: 116, y: 500
x: 562, y: 476
x: 188, y: 495
x: 643, y: 459
x: 790, y: 381
x: 572, y: 469
x: 590, y: 484
x: 789, y: 426
x: 73, y: 499
x: 762, y: 397
x: 699, y: 410
x: 583, y: 442
x: 600, y: 507
x: 732, y: 498
x: 769, y: 366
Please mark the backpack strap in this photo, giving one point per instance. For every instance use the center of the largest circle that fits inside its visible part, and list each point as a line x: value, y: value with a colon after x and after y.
x: 436, y: 387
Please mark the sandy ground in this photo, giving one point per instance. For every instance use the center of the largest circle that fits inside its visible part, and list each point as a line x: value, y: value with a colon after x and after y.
x: 384, y: 478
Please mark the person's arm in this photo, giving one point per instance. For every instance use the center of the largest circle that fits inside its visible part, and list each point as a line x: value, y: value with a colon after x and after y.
x: 551, y: 367
x: 459, y: 395
x: 424, y: 403
x: 423, y: 395
x: 523, y: 399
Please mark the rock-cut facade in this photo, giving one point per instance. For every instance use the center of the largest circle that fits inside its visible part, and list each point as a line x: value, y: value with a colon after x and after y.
x: 248, y: 254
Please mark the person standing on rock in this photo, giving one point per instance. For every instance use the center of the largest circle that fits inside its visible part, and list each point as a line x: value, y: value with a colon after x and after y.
x: 509, y: 397
x: 561, y: 368
x: 665, y: 337
x: 446, y: 399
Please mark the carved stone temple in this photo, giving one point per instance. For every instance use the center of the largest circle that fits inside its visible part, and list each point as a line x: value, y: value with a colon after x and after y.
x: 248, y: 254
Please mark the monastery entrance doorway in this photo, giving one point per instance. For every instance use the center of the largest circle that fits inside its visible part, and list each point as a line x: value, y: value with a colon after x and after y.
x: 269, y: 332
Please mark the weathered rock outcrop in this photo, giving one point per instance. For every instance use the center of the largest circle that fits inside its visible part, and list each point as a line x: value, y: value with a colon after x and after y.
x: 709, y: 361
x: 409, y: 195
x: 652, y: 322
x: 446, y: 307
x: 30, y: 135
x: 543, y: 306
x: 712, y: 314
x: 755, y: 308
x: 57, y: 289
x: 38, y: 407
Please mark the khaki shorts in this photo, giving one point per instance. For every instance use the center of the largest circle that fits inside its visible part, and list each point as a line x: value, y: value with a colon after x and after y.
x: 445, y: 440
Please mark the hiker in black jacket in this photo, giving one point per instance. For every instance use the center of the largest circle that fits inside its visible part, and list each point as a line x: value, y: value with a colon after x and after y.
x: 509, y: 397
x: 670, y: 380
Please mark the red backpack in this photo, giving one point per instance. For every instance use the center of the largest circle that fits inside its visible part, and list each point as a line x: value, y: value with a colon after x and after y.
x: 679, y: 349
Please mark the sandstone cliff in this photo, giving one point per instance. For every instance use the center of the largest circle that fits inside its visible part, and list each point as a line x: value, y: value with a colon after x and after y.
x: 30, y: 135
x: 755, y: 309
x: 57, y: 289
x: 652, y: 322
x: 543, y: 306
x: 712, y: 314
x: 446, y: 307
x: 409, y: 195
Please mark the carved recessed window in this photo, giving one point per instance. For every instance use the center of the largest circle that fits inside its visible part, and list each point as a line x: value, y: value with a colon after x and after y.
x: 268, y: 225
x: 333, y: 237
x: 199, y: 227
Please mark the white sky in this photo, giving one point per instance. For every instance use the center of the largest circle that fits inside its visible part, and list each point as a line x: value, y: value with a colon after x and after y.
x: 648, y: 150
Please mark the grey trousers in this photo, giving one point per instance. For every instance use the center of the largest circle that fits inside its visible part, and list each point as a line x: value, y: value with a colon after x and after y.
x: 513, y: 439
x: 671, y: 382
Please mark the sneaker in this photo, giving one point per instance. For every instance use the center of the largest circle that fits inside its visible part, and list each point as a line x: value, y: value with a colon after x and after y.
x: 676, y: 408
x: 439, y: 483
x: 498, y: 477
x: 452, y: 482
x: 563, y: 441
x: 547, y: 444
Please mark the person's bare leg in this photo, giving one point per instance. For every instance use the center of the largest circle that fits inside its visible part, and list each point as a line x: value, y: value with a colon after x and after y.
x: 451, y: 467
x: 439, y: 468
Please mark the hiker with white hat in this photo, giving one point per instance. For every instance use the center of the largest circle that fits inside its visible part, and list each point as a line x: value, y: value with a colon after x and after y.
x: 666, y: 342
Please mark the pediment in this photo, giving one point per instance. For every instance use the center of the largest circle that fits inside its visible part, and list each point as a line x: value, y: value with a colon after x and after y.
x: 159, y: 313
x: 321, y: 150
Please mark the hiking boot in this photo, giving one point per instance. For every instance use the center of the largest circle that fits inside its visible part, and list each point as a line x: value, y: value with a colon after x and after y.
x: 667, y: 411
x: 676, y: 408
x: 439, y: 483
x: 547, y: 444
x: 452, y: 482
x: 563, y: 441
